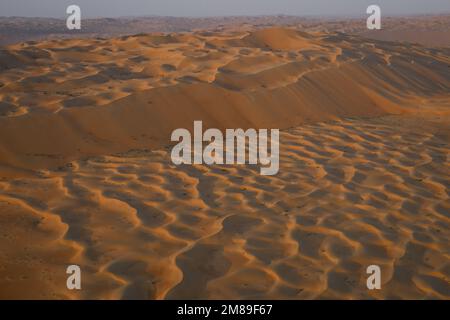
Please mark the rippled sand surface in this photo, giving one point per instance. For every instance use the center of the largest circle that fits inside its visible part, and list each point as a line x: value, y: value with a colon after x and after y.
x: 350, y: 193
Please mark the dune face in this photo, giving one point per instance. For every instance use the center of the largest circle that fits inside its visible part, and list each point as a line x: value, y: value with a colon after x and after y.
x: 86, y: 176
x: 77, y: 98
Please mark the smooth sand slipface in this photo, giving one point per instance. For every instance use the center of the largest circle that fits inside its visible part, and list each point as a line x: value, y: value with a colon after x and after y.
x: 356, y: 187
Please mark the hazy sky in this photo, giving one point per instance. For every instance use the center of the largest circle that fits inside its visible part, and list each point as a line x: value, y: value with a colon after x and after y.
x: 114, y: 8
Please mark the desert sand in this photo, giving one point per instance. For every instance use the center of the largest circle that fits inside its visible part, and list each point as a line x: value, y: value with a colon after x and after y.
x: 429, y: 30
x: 86, y: 176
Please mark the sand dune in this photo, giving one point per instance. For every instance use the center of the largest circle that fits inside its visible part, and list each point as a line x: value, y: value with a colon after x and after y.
x: 85, y: 175
x: 77, y: 98
x: 429, y: 30
x: 349, y: 194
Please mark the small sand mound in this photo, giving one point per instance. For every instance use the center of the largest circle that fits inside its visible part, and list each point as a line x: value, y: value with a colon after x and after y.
x: 10, y: 110
x: 9, y: 60
x: 277, y: 39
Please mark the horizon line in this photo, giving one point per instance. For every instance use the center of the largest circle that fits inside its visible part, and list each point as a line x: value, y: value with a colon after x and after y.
x: 388, y: 15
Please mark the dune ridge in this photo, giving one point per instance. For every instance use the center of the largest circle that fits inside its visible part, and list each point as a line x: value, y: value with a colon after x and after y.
x: 141, y: 88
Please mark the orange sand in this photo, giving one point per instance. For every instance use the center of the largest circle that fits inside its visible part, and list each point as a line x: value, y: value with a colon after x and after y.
x: 85, y: 176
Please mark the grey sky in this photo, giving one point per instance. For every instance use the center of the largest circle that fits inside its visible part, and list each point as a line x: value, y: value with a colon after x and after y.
x: 114, y: 8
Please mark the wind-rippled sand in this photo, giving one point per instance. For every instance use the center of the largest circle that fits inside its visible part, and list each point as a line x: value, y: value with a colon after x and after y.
x: 349, y: 194
x: 86, y: 177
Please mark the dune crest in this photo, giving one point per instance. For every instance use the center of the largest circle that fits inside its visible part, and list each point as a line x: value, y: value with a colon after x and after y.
x: 86, y: 97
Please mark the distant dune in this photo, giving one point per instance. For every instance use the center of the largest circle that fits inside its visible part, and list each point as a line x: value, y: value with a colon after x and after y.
x: 85, y: 175
x: 429, y: 30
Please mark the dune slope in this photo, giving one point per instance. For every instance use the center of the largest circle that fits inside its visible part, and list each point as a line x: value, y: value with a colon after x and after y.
x: 75, y: 98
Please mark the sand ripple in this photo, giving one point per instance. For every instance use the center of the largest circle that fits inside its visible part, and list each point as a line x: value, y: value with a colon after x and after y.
x: 349, y: 194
